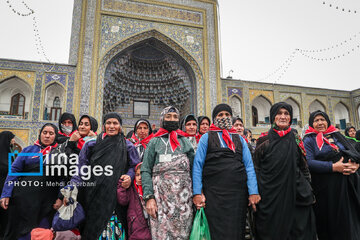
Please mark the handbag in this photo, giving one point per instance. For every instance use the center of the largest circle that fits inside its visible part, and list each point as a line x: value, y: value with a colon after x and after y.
x: 70, y: 216
x: 200, y: 229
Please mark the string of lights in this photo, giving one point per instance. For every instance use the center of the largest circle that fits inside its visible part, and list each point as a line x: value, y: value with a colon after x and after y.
x: 284, y: 66
x: 339, y: 8
x: 38, y: 42
x: 31, y: 11
x: 344, y: 54
x: 347, y: 41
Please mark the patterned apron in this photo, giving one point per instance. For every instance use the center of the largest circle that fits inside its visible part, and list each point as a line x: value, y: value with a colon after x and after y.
x: 173, y: 195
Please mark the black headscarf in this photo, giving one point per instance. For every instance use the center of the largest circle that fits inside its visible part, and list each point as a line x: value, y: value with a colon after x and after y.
x: 201, y: 118
x: 186, y: 119
x: 67, y: 116
x: 348, y: 129
x: 93, y: 122
x: 142, y: 120
x: 56, y: 134
x: 275, y: 109
x: 112, y: 115
x: 221, y: 107
x: 316, y: 113
x: 235, y: 119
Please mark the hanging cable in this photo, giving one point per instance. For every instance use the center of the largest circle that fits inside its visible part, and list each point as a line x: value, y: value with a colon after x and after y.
x: 339, y: 8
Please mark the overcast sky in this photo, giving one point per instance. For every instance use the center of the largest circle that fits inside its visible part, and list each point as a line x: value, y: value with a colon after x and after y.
x: 257, y: 37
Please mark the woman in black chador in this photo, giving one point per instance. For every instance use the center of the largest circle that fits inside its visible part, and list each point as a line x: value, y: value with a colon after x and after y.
x: 335, y: 179
x: 6, y: 140
x: 285, y: 211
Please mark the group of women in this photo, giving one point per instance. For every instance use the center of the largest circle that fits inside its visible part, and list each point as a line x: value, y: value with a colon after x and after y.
x: 297, y: 189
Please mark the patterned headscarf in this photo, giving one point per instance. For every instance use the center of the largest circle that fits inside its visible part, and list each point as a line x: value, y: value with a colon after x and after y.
x: 167, y: 110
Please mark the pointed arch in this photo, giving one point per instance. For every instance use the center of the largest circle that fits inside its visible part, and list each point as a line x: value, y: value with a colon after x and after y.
x: 316, y: 105
x: 236, y: 105
x: 341, y: 112
x: 15, y: 96
x: 53, y: 91
x: 296, y: 109
x: 198, y: 83
x: 260, y: 110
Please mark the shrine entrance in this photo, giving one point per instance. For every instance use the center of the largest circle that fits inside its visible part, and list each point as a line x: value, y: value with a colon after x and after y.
x: 146, y: 77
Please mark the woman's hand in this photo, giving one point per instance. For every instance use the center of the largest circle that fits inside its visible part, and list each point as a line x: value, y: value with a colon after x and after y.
x: 151, y: 208
x: 75, y: 136
x: 126, y: 181
x: 339, y: 166
x: 350, y: 168
x: 199, y: 201
x: 5, y: 203
x: 253, y: 200
x: 91, y: 133
x: 57, y: 204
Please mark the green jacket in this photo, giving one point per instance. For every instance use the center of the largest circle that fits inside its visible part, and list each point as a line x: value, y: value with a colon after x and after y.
x: 151, y: 158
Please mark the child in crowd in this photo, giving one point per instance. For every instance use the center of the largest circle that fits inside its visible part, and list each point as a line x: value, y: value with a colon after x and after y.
x: 136, y: 214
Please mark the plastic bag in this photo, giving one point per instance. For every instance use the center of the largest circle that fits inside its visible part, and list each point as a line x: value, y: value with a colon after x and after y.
x: 200, y: 229
x: 42, y: 234
x: 70, y: 216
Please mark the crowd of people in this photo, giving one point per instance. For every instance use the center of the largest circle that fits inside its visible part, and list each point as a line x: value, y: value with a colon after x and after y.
x: 281, y: 186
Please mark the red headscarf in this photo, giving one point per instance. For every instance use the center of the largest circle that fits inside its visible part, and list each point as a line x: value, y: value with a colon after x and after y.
x: 225, y: 135
x: 320, y: 139
x: 174, y: 142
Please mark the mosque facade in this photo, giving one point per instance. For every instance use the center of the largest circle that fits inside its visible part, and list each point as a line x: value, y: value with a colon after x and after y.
x: 135, y: 57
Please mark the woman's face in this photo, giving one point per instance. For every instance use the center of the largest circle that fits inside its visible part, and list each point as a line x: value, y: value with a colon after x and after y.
x: 112, y: 127
x: 223, y: 114
x: 84, y: 127
x: 352, y: 132
x: 47, y: 136
x: 67, y: 123
x: 190, y: 127
x: 204, y: 126
x: 12, y: 141
x: 171, y: 116
x: 320, y: 124
x: 142, y: 131
x: 282, y: 118
x: 239, y: 127
x: 138, y: 177
x: 249, y: 136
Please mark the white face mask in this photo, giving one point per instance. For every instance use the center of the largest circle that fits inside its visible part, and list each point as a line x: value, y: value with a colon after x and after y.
x: 66, y: 129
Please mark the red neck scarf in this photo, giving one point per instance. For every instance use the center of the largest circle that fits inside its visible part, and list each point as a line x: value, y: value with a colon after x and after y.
x: 174, y: 142
x: 282, y: 133
x: 320, y: 139
x: 225, y: 135
x: 138, y: 188
x: 61, y: 133
x: 143, y: 142
x: 81, y: 143
x: 196, y: 135
x: 45, y: 150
